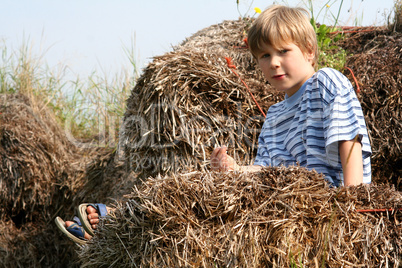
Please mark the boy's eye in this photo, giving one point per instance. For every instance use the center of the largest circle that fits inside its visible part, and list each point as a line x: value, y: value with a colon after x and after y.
x: 284, y: 51
x: 265, y: 56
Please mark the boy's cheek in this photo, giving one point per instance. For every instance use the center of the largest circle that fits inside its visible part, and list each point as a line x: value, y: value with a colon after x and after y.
x: 267, y: 77
x: 265, y: 72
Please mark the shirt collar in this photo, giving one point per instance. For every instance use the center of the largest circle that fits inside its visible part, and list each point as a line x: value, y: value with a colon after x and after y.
x: 291, y: 101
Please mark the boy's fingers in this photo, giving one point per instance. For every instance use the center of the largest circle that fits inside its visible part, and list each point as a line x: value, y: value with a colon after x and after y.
x: 223, y: 160
x: 222, y: 152
x: 219, y: 150
x: 215, y: 159
x: 219, y: 159
x: 215, y: 152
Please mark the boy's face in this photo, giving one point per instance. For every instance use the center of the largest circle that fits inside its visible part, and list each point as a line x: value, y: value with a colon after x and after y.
x: 287, y: 67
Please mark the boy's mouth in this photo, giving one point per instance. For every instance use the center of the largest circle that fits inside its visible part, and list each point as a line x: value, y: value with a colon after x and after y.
x: 278, y: 76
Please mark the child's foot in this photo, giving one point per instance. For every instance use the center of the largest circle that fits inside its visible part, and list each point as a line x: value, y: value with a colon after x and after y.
x: 70, y: 223
x: 80, y: 229
x: 89, y: 215
x: 93, y: 216
x: 73, y: 230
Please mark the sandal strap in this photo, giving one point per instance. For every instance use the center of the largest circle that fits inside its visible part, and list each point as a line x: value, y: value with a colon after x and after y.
x: 77, y: 221
x: 100, y: 208
x: 76, y: 228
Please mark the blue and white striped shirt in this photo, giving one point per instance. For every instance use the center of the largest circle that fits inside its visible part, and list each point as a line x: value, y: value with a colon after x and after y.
x: 305, y: 128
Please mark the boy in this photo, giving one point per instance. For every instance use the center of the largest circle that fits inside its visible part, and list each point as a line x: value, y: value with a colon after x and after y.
x: 320, y: 124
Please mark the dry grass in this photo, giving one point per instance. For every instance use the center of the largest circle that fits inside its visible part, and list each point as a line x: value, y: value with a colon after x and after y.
x: 275, y: 218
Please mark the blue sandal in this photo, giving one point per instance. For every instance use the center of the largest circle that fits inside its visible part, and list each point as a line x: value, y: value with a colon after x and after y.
x: 82, y: 214
x: 75, y: 231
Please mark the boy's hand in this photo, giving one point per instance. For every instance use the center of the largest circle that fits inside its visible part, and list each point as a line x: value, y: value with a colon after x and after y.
x: 220, y: 161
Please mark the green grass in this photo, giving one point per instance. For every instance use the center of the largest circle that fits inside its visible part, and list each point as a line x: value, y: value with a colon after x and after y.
x: 86, y: 109
x: 395, y: 21
x: 330, y: 55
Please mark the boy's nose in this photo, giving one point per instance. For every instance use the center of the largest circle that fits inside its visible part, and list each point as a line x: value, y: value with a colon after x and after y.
x: 275, y: 63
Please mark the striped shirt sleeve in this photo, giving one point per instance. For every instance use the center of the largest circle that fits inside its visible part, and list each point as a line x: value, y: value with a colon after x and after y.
x: 343, y: 117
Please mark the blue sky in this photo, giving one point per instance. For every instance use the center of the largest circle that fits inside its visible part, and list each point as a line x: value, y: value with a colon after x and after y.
x: 88, y: 35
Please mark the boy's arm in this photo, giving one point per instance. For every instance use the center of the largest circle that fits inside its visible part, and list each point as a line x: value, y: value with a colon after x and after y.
x: 220, y: 161
x: 350, y: 153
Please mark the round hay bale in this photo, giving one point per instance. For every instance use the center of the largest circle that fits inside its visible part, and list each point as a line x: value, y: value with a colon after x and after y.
x: 38, y: 167
x: 278, y: 217
x: 36, y: 159
x: 376, y: 62
x: 189, y: 100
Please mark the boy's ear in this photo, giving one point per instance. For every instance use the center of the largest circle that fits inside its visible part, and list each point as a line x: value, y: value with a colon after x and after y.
x: 310, y: 55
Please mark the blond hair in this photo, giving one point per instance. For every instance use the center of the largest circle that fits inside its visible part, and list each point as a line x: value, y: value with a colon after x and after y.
x: 279, y: 25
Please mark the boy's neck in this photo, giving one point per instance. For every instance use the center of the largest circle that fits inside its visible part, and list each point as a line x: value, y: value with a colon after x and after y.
x: 290, y: 93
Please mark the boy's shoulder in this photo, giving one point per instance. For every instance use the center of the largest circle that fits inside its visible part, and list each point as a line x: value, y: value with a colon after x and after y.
x: 332, y: 75
x: 327, y: 83
x: 329, y: 74
x: 332, y: 80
